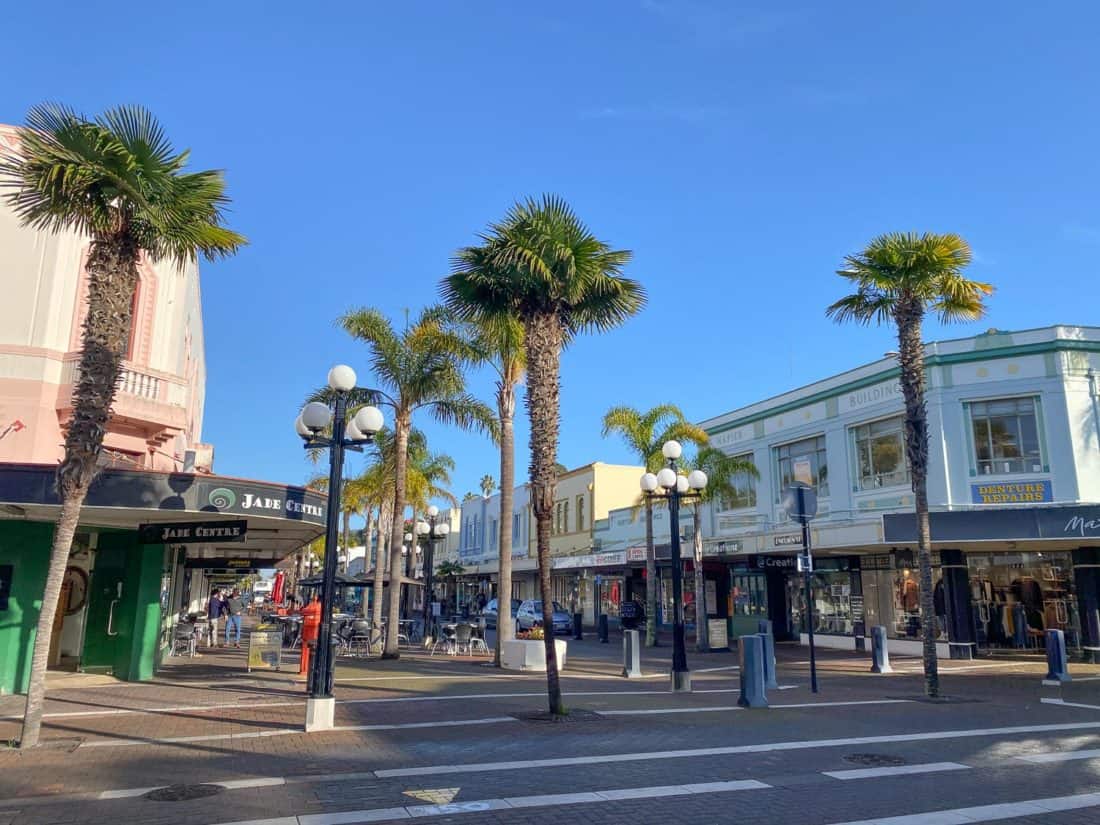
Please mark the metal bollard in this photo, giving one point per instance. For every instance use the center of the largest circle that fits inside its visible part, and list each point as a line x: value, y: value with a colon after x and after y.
x: 753, y: 693
x: 768, y: 643
x: 880, y: 654
x: 765, y: 626
x: 1057, y: 669
x: 602, y: 628
x: 632, y: 668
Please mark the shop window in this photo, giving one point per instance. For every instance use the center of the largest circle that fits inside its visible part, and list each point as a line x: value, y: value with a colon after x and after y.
x: 906, y: 593
x: 803, y: 461
x: 1006, y: 436
x: 880, y: 454
x: 832, y: 602
x: 1016, y: 597
x: 742, y: 495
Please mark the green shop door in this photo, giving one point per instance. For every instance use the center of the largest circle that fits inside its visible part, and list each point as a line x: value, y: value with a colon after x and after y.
x: 105, y: 603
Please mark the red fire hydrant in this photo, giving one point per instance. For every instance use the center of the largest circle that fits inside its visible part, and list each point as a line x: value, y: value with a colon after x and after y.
x: 311, y: 626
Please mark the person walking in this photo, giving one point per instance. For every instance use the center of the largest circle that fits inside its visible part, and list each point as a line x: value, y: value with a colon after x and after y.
x: 213, y: 613
x: 234, y: 607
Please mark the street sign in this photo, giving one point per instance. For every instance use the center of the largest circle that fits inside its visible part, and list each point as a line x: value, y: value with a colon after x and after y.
x: 805, y: 564
x: 800, y: 502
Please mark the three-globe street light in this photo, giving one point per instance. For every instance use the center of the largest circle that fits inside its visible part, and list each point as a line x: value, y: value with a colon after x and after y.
x: 669, y: 484
x: 346, y: 434
x: 434, y: 531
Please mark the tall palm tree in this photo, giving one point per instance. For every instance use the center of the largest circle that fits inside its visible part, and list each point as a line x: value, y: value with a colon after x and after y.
x: 118, y: 180
x: 899, y: 278
x: 498, y: 342
x: 722, y: 471
x: 487, y: 485
x: 543, y: 267
x: 645, y: 433
x: 418, y: 368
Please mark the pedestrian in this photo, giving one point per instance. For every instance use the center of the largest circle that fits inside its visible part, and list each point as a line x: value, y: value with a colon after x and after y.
x: 213, y: 612
x: 233, y: 607
x: 481, y: 602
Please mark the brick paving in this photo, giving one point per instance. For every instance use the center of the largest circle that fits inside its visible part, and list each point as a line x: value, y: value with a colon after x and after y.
x: 1001, y: 695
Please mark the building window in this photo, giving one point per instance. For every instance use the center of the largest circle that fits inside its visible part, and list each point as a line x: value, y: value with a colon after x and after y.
x: 880, y: 454
x: 517, y: 527
x: 743, y: 489
x: 803, y: 461
x: 580, y: 513
x: 565, y: 516
x: 1006, y: 436
x: 493, y: 534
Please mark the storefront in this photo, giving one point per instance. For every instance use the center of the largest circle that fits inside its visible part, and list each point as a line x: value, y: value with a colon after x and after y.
x: 1006, y: 576
x: 148, y: 546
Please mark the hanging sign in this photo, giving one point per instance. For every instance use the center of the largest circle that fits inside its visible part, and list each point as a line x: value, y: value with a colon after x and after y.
x: 193, y: 532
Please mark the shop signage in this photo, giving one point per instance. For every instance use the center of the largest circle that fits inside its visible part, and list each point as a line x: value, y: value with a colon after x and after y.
x: 717, y: 636
x: 788, y: 540
x: 193, y: 532
x: 265, y: 650
x: 635, y: 554
x: 1022, y: 492
x: 722, y: 548
x: 591, y: 560
x: 775, y: 562
x: 1001, y: 524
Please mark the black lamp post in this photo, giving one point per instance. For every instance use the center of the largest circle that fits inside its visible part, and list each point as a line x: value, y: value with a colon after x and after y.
x: 434, y: 530
x: 350, y: 435
x: 675, y: 487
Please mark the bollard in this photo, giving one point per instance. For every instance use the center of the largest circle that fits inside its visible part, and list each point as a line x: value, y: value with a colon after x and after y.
x: 631, y: 655
x: 603, y: 628
x: 578, y: 630
x: 1057, y: 671
x: 767, y: 642
x: 880, y: 654
x: 753, y: 693
x: 765, y: 626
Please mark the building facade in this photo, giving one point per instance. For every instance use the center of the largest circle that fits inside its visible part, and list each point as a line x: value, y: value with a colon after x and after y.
x: 1014, y: 486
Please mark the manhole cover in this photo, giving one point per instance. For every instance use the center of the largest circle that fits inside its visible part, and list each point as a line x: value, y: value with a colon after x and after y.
x: 181, y: 793
x: 874, y: 760
x: 574, y: 715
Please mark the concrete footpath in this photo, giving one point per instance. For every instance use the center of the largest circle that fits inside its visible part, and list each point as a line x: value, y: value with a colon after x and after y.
x: 432, y: 733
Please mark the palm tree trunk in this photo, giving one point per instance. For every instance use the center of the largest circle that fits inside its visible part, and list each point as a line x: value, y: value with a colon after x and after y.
x: 702, y: 641
x: 380, y: 558
x: 401, y: 426
x: 347, y: 538
x: 506, y: 409
x: 650, y: 578
x: 112, y: 277
x: 911, y: 359
x: 543, y: 342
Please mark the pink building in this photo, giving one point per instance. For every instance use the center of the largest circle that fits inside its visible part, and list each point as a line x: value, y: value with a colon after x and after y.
x: 159, y: 407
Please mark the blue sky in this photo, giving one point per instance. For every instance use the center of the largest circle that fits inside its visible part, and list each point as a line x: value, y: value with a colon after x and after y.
x: 739, y: 149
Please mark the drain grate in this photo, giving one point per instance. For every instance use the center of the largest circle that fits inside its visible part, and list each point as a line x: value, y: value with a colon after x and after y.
x: 182, y: 793
x: 874, y: 760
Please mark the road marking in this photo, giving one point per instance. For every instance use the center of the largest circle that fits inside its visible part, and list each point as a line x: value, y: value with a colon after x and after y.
x: 511, y: 803
x: 438, y: 796
x: 1066, y: 704
x: 214, y: 737
x: 973, y: 667
x: 715, y: 669
x: 898, y: 770
x: 230, y: 785
x: 1060, y: 756
x: 841, y: 704
x: 988, y: 813
x: 430, y: 770
x: 658, y: 711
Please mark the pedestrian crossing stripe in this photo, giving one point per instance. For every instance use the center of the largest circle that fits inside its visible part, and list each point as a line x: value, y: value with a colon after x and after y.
x: 437, y: 796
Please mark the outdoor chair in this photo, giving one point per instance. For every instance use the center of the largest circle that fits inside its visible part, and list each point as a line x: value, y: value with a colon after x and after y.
x: 184, y: 638
x: 477, y: 638
x: 446, y: 640
x: 359, y: 638
x: 463, y: 634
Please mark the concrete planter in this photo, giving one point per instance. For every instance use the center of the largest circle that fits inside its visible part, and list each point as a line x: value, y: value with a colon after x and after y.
x: 529, y: 654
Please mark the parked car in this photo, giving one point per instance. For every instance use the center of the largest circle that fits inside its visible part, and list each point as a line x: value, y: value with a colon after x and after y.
x: 490, y: 611
x: 530, y: 614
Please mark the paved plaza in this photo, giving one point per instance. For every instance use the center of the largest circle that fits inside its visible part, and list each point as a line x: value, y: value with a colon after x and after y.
x: 450, y: 739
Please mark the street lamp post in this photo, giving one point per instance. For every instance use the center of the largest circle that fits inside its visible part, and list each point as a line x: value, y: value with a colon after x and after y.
x: 435, y: 531
x: 345, y: 435
x: 675, y: 488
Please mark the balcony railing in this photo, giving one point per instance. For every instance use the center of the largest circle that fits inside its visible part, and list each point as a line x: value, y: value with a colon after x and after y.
x: 131, y: 382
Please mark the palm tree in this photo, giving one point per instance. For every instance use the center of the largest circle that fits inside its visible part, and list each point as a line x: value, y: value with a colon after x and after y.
x: 722, y: 471
x: 118, y: 180
x: 419, y: 369
x: 645, y: 434
x: 498, y: 342
x: 544, y: 268
x: 898, y: 278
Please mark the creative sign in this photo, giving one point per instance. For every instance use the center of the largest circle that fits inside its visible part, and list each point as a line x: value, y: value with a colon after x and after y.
x: 1021, y: 492
x: 193, y: 532
x: 775, y: 562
